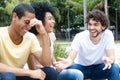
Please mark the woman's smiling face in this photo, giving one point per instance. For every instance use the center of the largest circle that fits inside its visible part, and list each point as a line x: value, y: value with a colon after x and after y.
x: 49, y: 22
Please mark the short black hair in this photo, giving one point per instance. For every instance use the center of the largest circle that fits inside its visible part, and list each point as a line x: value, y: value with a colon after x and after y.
x: 22, y: 8
x: 40, y: 9
x: 98, y: 15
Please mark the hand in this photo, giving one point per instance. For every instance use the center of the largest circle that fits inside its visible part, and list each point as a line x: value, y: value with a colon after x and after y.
x: 37, y: 74
x: 62, y: 64
x: 107, y: 62
x: 39, y: 26
x: 38, y: 66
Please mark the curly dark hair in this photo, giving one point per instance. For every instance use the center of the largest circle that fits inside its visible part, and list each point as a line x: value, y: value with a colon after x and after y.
x: 40, y: 9
x: 98, y: 16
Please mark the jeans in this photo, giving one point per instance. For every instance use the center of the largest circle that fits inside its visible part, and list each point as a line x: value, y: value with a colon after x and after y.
x: 95, y: 71
x: 7, y: 76
x: 70, y: 74
x: 51, y: 74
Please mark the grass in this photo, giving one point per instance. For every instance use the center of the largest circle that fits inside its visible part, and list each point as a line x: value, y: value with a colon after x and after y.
x: 66, y: 42
x: 63, y: 44
x: 117, y: 41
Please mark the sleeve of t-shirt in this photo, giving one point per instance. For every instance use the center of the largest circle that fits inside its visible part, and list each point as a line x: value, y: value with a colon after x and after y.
x: 75, y: 45
x: 110, y: 40
x: 35, y: 45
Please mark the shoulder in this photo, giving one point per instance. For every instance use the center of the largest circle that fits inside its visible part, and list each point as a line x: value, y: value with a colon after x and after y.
x: 82, y: 34
x: 3, y: 30
x: 29, y: 35
x: 107, y: 32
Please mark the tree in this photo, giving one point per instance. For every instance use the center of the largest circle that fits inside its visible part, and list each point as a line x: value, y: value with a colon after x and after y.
x: 75, y: 8
x: 3, y: 16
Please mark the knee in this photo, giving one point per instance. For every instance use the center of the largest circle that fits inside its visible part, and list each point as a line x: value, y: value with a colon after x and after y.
x: 8, y: 76
x: 50, y: 70
x: 115, y: 67
x: 51, y: 73
x: 70, y: 74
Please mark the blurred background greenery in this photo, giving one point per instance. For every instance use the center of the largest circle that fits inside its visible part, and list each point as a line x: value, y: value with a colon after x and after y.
x: 69, y: 14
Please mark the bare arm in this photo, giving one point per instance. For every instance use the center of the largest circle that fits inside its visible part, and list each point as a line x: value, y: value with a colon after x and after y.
x: 45, y: 59
x: 33, y: 62
x: 37, y: 74
x: 109, y: 59
x: 64, y: 63
x: 53, y: 59
x: 111, y: 54
x: 44, y: 56
x: 46, y: 53
x: 16, y: 71
x: 72, y: 55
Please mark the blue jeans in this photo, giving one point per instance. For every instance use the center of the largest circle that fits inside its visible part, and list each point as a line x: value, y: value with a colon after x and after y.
x: 70, y: 74
x: 51, y: 74
x: 7, y: 76
x: 96, y: 72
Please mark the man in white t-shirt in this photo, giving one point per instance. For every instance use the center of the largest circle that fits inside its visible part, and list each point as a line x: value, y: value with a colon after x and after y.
x: 92, y: 50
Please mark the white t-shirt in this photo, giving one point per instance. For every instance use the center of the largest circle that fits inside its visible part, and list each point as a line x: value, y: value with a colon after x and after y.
x: 52, y: 40
x: 89, y: 53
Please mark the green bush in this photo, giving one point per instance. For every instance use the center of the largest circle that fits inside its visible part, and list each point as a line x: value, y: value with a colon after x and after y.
x: 59, y: 51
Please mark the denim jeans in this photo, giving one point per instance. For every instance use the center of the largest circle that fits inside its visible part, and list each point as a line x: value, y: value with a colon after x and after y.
x: 70, y: 74
x: 51, y: 74
x: 7, y: 76
x: 95, y: 71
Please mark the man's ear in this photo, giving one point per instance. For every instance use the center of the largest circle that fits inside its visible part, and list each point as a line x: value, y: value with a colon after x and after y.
x: 14, y: 16
x: 103, y: 28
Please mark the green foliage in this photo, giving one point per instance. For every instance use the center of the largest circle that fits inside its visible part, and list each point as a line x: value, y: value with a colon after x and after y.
x: 2, y: 3
x: 4, y: 20
x: 35, y: 1
x: 10, y: 6
x: 75, y: 8
x: 59, y: 51
x: 91, y: 4
x: 6, y: 10
x: 3, y: 16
